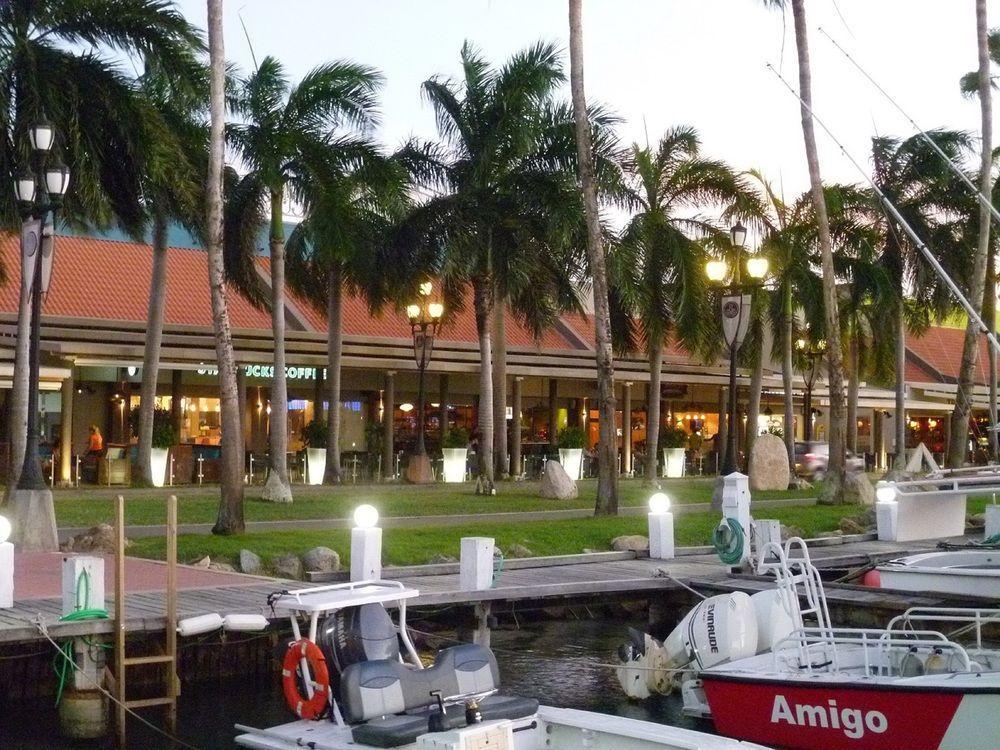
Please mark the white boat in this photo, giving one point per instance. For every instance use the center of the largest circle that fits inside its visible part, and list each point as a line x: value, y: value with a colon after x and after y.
x: 969, y: 572
x: 355, y: 688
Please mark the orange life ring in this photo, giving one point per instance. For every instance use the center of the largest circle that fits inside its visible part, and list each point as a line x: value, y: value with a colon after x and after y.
x: 305, y: 708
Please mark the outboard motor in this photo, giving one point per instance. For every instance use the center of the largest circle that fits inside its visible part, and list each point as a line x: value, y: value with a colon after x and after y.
x: 357, y: 634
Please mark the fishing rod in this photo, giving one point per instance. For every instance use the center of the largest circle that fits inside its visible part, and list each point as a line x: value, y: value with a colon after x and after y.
x: 891, y: 208
x: 983, y: 201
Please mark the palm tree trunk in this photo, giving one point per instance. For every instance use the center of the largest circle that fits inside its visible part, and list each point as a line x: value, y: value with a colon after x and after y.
x: 990, y: 318
x: 277, y: 488
x: 852, y: 391
x: 19, y: 386
x: 501, y: 466
x: 787, y: 383
x: 481, y: 296
x: 230, y: 520
x: 151, y: 353
x: 833, y: 488
x: 753, y: 404
x: 334, y: 346
x: 899, y: 462
x: 607, y: 448
x: 970, y: 349
x: 653, y: 417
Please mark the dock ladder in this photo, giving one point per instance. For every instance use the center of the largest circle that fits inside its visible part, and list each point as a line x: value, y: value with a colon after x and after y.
x: 168, y: 655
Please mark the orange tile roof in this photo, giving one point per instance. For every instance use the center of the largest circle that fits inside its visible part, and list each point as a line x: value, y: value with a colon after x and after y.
x: 939, y: 350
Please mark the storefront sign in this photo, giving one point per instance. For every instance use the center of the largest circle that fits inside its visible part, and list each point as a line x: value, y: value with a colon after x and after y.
x: 267, y: 372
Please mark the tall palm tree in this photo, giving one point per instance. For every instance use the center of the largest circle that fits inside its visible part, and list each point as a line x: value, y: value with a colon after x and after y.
x: 957, y: 450
x: 230, y: 519
x: 500, y: 200
x: 607, y: 449
x: 284, y: 139
x: 173, y: 188
x: 662, y: 258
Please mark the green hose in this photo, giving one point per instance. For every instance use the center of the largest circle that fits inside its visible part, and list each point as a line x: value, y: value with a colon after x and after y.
x: 728, y: 539
x: 63, y: 662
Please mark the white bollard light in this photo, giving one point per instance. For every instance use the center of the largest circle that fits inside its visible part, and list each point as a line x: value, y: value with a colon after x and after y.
x: 366, y: 545
x: 886, y: 511
x: 661, y: 528
x: 476, y: 565
x: 6, y: 566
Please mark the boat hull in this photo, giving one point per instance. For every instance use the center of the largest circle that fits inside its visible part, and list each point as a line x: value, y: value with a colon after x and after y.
x: 839, y: 716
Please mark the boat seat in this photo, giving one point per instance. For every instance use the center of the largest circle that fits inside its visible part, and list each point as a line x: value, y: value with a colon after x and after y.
x: 390, y: 731
x: 496, y: 707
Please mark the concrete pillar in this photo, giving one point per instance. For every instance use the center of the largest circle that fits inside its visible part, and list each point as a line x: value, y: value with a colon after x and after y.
x: 241, y: 397
x: 553, y: 410
x: 443, y: 398
x: 319, y: 395
x: 66, y: 434
x: 176, y: 411
x: 627, y: 428
x: 720, y: 440
x: 515, y: 428
x: 388, y: 407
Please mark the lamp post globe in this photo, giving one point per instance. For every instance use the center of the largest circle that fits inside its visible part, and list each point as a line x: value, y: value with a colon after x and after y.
x: 425, y: 319
x: 42, y: 135
x: 738, y: 233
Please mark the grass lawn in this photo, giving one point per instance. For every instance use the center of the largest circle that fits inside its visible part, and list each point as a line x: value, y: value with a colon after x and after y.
x: 200, y: 505
x: 412, y: 546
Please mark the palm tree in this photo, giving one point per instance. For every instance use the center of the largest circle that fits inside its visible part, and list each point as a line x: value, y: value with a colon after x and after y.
x: 661, y: 256
x: 172, y: 188
x: 957, y: 450
x: 284, y: 141
x: 607, y: 449
x: 501, y: 203
x: 230, y: 520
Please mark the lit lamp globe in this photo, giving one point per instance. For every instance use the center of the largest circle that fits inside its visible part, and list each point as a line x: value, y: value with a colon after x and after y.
x: 435, y: 310
x: 885, y: 492
x: 716, y: 270
x: 413, y: 312
x: 659, y: 503
x: 757, y: 267
x: 4, y: 529
x: 365, y: 516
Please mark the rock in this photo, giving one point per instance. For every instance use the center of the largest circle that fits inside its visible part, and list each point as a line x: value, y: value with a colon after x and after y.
x: 630, y: 543
x: 787, y: 532
x: 519, y: 550
x: 976, y: 521
x: 321, y: 559
x: 442, y: 559
x: 851, y: 526
x: 556, y: 483
x: 100, y: 538
x: 221, y: 567
x: 288, y: 566
x: 858, y: 490
x: 829, y: 534
x: 205, y: 562
x: 249, y: 562
x: 769, y: 464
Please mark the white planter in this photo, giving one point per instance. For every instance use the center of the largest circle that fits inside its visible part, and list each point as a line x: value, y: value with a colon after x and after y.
x: 454, y: 464
x: 315, y: 465
x: 159, y: 458
x: 673, y: 462
x: 572, y: 460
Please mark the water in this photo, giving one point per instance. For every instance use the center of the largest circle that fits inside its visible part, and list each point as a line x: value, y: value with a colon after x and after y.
x: 559, y: 663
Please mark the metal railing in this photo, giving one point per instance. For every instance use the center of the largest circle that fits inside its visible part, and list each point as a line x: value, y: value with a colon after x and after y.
x: 972, y: 620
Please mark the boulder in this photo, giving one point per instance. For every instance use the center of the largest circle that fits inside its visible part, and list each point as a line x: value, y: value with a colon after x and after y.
x: 769, y: 464
x: 205, y: 562
x: 100, y: 538
x: 249, y: 562
x: 519, y: 550
x: 321, y: 559
x: 787, y: 532
x: 288, y: 566
x: 858, y: 490
x: 976, y: 521
x: 851, y: 526
x: 630, y: 543
x: 556, y: 483
x: 221, y: 567
x: 440, y: 559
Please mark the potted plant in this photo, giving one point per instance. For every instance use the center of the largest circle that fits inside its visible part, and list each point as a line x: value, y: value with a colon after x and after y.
x: 455, y: 451
x: 673, y: 440
x: 164, y: 438
x: 314, y: 435
x: 571, y: 441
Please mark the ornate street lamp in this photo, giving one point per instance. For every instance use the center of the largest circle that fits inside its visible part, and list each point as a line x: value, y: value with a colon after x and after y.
x: 425, y: 321
x: 735, y: 305
x: 813, y: 353
x: 39, y: 195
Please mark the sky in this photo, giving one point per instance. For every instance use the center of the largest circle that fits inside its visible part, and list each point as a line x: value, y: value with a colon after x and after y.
x: 656, y: 64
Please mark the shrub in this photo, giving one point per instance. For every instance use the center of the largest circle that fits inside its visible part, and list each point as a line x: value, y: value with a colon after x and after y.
x: 457, y: 437
x: 315, y: 433
x: 571, y: 437
x: 673, y: 437
x: 164, y: 435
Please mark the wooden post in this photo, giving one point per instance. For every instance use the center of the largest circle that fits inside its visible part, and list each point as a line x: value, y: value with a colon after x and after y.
x: 482, y: 634
x: 66, y: 434
x: 171, y: 666
x: 120, y: 619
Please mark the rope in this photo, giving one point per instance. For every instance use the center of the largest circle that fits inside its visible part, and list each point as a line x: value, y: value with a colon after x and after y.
x: 728, y: 539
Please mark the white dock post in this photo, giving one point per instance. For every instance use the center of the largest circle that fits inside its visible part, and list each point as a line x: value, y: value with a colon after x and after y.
x: 736, y: 505
x: 992, y: 520
x: 476, y: 563
x: 83, y: 589
x: 6, y: 566
x: 886, y: 511
x: 366, y: 545
x: 661, y: 528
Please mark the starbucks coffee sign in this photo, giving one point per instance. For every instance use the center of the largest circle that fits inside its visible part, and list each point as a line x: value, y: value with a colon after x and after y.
x: 266, y: 372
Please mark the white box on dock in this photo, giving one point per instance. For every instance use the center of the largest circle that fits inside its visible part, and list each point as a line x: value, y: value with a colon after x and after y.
x: 992, y: 521
x: 766, y: 530
x: 476, y: 565
x: 492, y: 735
x: 6, y: 575
x: 82, y: 583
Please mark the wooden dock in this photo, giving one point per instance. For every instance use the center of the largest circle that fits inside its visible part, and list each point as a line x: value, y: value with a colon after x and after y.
x: 547, y: 581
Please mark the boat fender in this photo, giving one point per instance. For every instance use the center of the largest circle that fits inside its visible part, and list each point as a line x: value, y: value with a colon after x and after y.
x: 319, y: 676
x: 936, y: 663
x: 244, y: 622
x: 911, y: 664
x: 200, y: 624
